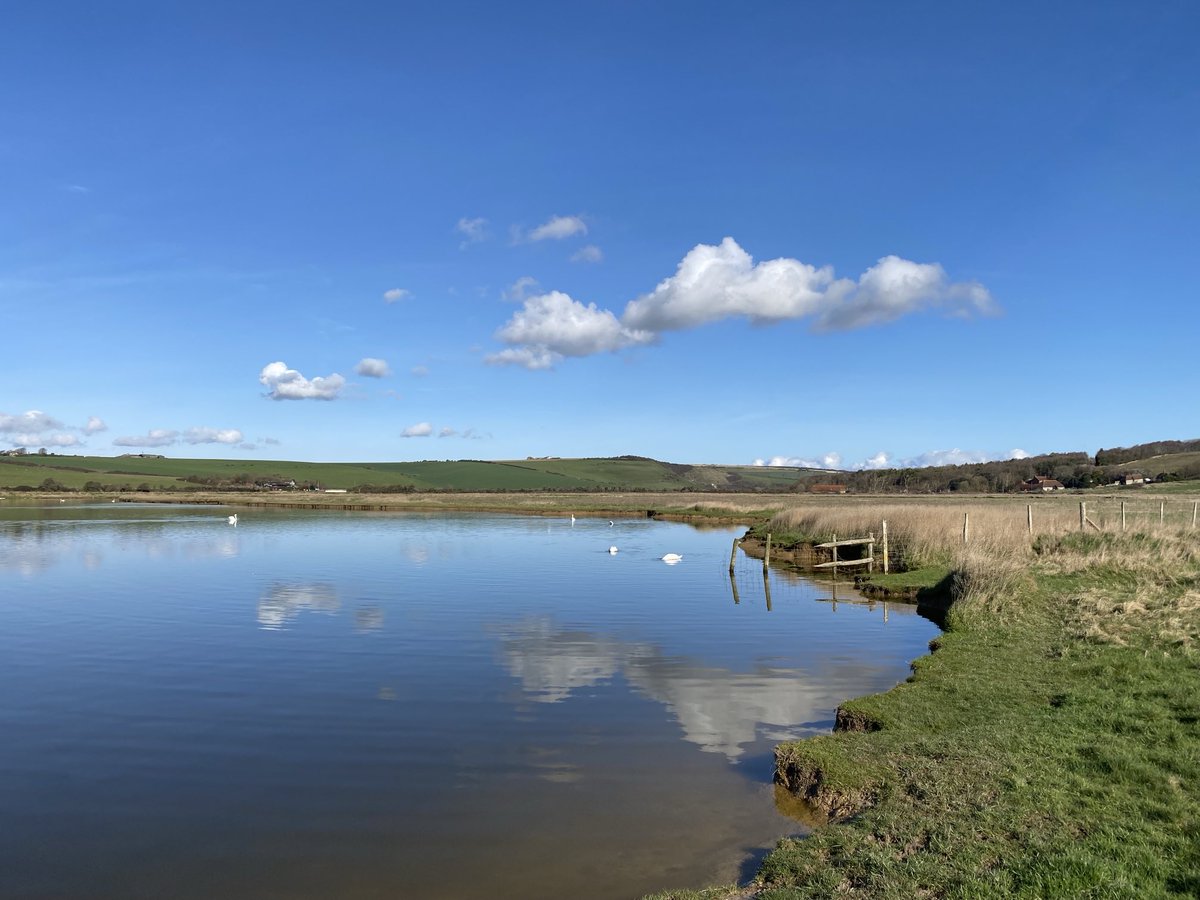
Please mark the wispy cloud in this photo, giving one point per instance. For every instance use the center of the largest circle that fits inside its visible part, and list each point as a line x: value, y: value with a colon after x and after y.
x: 395, y: 295
x: 370, y: 367
x: 473, y: 230
x: 419, y: 371
x: 722, y: 281
x: 421, y: 429
x: 589, y: 253
x: 283, y: 383
x: 521, y: 288
x: 557, y: 228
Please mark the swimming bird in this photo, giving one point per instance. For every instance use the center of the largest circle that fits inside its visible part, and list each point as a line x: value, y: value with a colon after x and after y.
x: 671, y: 558
x: 610, y: 523
x: 612, y: 549
x: 572, y: 518
x: 233, y: 519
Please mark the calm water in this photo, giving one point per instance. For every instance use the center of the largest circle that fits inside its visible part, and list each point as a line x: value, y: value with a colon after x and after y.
x: 354, y: 705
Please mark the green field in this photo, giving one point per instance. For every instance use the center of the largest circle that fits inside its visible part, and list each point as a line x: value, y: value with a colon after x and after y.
x: 601, y: 474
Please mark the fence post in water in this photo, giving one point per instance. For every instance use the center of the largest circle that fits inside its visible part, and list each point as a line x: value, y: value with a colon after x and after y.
x: 885, y: 547
x: 1029, y: 517
x: 733, y: 553
x: 767, y: 555
x: 966, y: 527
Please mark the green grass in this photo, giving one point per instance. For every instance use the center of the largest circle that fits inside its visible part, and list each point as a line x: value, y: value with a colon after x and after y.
x: 1024, y: 758
x: 628, y: 474
x: 926, y: 577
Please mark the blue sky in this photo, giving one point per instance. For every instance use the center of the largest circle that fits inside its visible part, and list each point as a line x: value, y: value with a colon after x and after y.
x: 694, y: 231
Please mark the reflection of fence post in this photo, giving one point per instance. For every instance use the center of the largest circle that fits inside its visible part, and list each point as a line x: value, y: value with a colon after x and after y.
x: 767, y: 587
x: 733, y: 554
x: 737, y: 601
x: 1029, y: 517
x: 885, y: 547
x: 966, y: 527
x: 767, y: 555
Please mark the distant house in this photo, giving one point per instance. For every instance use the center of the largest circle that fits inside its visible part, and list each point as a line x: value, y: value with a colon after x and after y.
x: 827, y: 489
x: 1128, y: 478
x: 1039, y: 484
x: 289, y: 485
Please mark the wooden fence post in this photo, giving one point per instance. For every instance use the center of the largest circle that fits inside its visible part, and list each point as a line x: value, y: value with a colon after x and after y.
x: 1162, y: 511
x: 767, y: 555
x: 1195, y: 506
x: 733, y: 552
x: 966, y: 527
x: 1082, y: 514
x: 1029, y: 516
x: 885, y: 542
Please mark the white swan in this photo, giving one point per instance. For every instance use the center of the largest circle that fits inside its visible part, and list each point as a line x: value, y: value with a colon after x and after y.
x: 572, y: 518
x: 610, y: 523
x: 612, y: 549
x: 671, y: 558
x: 233, y: 519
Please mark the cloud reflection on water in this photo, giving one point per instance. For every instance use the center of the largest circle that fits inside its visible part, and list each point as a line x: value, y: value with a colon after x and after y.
x: 719, y: 710
x: 283, y: 602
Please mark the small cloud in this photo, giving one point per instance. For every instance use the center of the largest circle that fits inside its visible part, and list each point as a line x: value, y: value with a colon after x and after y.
x: 94, y: 425
x: 156, y: 437
x: 447, y: 432
x: 420, y: 371
x: 395, y: 295
x: 369, y: 367
x: 556, y: 228
x: 421, y: 429
x: 76, y: 189
x: 521, y: 288
x: 245, y: 445
x: 271, y: 442
x: 212, y: 436
x: 588, y: 254
x: 283, y: 383
x: 472, y: 230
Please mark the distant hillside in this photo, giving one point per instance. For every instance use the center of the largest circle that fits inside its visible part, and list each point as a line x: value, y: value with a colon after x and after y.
x: 1140, y: 452
x: 131, y: 473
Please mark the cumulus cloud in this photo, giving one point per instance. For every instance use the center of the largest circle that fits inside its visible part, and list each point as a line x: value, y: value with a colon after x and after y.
x: 556, y: 228
x: 588, y: 254
x: 714, y: 282
x: 283, y: 383
x: 421, y: 429
x: 212, y: 436
x: 369, y: 367
x: 156, y: 437
x: 472, y: 230
x: 94, y: 425
x: 551, y: 326
x: 885, y: 460
x: 36, y: 428
x: 395, y: 295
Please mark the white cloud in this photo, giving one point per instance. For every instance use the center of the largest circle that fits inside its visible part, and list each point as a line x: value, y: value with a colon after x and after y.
x: 588, y: 254
x: 395, y: 295
x: 212, y: 436
x: 420, y: 371
x: 94, y: 424
x: 551, y: 326
x: 369, y: 367
x: 447, y: 432
x: 472, y: 230
x: 556, y: 228
x: 156, y: 437
x: 421, y: 429
x: 283, y: 383
x: 271, y: 442
x: 884, y: 460
x: 36, y: 429
x: 521, y: 288
x: 716, y: 282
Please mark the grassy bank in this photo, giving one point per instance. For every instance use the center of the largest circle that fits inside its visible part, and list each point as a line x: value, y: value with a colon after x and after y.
x: 1048, y: 747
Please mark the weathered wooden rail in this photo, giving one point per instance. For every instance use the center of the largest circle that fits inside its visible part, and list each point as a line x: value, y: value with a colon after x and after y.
x: 835, y: 563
